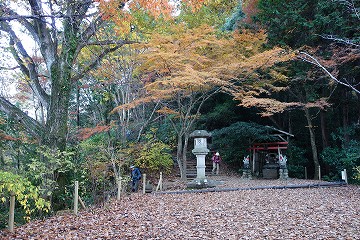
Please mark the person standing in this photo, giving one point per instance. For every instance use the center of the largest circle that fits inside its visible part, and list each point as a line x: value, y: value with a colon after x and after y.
x: 135, y: 178
x: 216, y: 159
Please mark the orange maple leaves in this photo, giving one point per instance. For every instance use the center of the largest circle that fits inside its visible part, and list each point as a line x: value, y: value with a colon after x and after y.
x: 4, y: 137
x: 120, y: 11
x: 197, y: 60
x: 86, y: 133
x: 250, y: 9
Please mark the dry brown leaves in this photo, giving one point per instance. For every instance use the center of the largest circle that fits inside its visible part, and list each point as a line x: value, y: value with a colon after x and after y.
x: 315, y: 213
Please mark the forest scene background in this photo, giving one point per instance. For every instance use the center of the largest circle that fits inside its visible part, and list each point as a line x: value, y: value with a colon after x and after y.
x: 89, y: 88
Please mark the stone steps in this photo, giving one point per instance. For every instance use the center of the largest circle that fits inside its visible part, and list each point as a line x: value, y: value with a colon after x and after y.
x: 191, y: 170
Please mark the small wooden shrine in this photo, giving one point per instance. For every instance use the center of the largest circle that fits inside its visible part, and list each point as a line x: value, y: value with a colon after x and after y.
x: 264, y: 157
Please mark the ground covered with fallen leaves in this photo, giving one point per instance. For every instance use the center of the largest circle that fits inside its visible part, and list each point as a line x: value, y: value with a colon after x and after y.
x: 301, y: 213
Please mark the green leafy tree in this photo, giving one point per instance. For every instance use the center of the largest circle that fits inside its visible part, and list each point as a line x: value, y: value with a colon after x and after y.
x: 154, y: 155
x: 313, y: 23
x: 101, y: 162
x: 213, y: 13
x: 302, y: 22
x: 26, y: 194
x: 45, y: 171
x: 296, y: 160
x: 344, y: 156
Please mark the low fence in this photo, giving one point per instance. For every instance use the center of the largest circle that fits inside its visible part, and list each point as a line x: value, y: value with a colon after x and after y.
x: 316, y: 185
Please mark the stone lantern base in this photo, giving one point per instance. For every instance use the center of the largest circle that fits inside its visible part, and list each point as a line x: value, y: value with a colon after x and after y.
x: 246, y: 174
x: 283, y: 174
x: 199, y: 183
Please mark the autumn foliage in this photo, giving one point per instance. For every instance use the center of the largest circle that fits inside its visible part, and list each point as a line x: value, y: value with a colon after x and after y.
x: 5, y: 137
x: 197, y: 60
x: 86, y: 133
x: 250, y: 9
x: 123, y: 12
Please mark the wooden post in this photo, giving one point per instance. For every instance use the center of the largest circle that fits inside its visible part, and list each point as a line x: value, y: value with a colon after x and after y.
x: 159, y: 186
x: 346, y: 179
x: 319, y: 173
x: 76, y: 197
x: 144, y: 182
x: 344, y: 176
x: 253, y: 162
x: 305, y: 173
x: 161, y: 181
x: 118, y: 189
x: 82, y: 203
x: 12, y: 212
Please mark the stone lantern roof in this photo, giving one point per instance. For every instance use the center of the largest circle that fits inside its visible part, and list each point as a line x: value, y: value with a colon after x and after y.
x: 200, y: 134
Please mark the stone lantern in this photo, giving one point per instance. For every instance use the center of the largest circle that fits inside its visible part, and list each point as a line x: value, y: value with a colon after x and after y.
x: 200, y: 151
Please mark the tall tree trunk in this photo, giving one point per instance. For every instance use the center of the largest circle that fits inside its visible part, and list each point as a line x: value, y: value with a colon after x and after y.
x: 56, y: 128
x: 179, y: 157
x: 323, y: 129
x: 2, y: 158
x: 345, y: 117
x: 289, y: 126
x: 184, y: 153
x: 324, y: 138
x: 78, y: 105
x: 313, y: 144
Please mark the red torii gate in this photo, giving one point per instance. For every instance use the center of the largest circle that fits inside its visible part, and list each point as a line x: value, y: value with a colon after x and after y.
x: 269, y: 146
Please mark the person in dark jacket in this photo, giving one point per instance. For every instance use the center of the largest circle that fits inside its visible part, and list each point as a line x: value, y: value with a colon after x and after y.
x: 135, y: 178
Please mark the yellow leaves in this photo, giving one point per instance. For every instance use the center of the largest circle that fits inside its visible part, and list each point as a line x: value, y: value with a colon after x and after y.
x: 24, y: 191
x: 277, y: 76
x: 188, y: 61
x: 266, y: 59
x: 179, y: 52
x: 136, y: 102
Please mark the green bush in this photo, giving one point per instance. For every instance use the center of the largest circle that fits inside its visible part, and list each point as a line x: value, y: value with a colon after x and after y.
x: 296, y: 171
x: 154, y: 156
x: 347, y: 156
x: 357, y: 173
x: 26, y: 194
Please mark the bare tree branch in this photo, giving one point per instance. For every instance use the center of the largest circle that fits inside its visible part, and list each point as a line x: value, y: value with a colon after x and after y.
x: 340, y: 40
x: 98, y: 59
x: 25, y: 62
x: 351, y: 5
x: 311, y: 59
x: 9, y: 68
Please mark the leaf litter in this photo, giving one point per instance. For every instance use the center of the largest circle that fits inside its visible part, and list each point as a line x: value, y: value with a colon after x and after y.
x: 302, y: 213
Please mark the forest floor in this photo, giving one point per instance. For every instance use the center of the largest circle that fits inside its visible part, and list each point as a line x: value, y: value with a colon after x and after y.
x: 301, y: 213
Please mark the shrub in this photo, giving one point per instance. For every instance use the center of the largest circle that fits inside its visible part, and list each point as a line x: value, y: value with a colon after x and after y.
x: 26, y: 194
